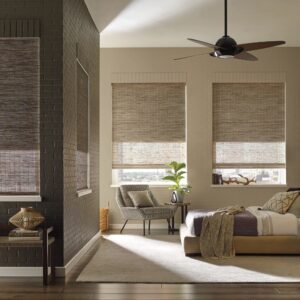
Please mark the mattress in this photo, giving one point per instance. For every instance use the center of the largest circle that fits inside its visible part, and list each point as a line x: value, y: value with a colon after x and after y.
x: 284, y: 244
x: 252, y: 222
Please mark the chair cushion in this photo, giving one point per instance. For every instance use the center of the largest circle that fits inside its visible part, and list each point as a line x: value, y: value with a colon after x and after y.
x: 158, y: 212
x: 131, y: 187
x: 140, y: 198
x: 281, y: 202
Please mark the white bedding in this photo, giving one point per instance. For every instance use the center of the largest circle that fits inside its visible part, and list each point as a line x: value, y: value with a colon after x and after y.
x: 272, y: 223
x: 268, y: 222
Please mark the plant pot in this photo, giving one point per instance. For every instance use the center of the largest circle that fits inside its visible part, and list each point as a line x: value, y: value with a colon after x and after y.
x: 27, y: 218
x: 179, y: 196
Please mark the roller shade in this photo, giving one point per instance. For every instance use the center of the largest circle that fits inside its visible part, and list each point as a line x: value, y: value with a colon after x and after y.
x: 19, y: 116
x: 148, y: 124
x: 248, y: 125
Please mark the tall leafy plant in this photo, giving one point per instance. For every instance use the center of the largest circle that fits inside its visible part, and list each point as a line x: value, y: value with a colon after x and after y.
x: 176, y: 175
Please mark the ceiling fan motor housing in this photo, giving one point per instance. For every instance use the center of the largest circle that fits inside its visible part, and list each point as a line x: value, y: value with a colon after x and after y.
x: 226, y: 47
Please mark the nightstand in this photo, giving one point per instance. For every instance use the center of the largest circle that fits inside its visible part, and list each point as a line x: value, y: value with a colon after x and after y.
x: 184, y: 210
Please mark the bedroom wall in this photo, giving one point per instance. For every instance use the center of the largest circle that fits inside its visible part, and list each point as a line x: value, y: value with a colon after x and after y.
x: 81, y: 214
x: 50, y: 15
x: 63, y: 24
x: 200, y: 72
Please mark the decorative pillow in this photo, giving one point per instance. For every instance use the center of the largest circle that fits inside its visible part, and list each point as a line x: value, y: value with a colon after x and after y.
x: 281, y: 202
x: 295, y: 208
x: 140, y: 198
x: 125, y: 188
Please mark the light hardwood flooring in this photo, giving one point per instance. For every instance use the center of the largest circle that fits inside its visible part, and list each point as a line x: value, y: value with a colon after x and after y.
x: 32, y: 288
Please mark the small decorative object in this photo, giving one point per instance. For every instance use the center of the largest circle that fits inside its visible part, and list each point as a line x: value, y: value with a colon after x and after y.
x: 244, y: 180
x: 217, y: 178
x: 176, y: 175
x: 27, y: 218
x: 103, y: 219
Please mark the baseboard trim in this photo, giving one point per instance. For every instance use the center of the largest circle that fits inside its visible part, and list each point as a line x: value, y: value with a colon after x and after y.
x: 38, y: 271
x: 63, y: 271
x: 140, y: 226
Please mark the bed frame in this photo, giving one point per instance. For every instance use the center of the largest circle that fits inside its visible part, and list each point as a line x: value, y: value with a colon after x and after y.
x: 246, y: 244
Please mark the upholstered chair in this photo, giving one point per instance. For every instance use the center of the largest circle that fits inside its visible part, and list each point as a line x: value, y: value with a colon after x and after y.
x: 130, y: 212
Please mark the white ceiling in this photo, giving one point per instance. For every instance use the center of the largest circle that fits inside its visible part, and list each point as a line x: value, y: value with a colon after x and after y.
x: 167, y: 23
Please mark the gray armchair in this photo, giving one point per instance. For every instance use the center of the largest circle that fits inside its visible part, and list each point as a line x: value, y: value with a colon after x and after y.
x: 130, y: 212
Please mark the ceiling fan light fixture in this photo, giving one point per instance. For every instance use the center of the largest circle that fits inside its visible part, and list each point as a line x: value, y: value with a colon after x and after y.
x: 227, y: 47
x: 226, y: 56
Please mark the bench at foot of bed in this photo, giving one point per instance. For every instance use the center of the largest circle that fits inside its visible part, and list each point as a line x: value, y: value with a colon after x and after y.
x: 246, y: 244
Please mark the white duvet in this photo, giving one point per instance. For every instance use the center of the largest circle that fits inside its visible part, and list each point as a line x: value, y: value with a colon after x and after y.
x: 272, y: 223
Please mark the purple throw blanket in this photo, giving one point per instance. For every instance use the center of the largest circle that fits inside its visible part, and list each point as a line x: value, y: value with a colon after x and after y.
x: 245, y: 223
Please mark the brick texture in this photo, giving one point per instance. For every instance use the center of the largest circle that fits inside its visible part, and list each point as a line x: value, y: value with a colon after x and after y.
x: 63, y: 24
x: 80, y: 214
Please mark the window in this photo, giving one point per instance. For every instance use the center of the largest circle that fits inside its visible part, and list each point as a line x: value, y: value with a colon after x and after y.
x: 249, y: 131
x: 148, y: 130
x: 19, y: 116
x: 82, y: 153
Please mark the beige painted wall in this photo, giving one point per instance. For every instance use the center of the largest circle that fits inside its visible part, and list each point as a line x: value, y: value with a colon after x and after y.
x: 200, y: 75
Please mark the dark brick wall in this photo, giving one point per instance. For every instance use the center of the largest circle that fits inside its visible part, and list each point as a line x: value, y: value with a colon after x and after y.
x: 80, y: 214
x: 51, y: 106
x: 64, y: 23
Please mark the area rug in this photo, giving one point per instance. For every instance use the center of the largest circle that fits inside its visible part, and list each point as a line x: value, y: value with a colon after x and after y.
x: 160, y: 259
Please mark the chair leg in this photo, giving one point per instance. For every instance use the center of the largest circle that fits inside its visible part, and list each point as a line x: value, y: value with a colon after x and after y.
x: 123, y: 226
x: 169, y: 227
x: 144, y: 225
x: 149, y: 224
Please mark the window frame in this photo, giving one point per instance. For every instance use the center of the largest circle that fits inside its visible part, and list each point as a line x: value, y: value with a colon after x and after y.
x: 213, y: 166
x: 87, y: 190
x: 29, y: 196
x: 114, y: 177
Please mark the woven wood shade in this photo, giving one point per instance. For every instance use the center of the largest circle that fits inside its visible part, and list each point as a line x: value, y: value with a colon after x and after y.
x: 20, y: 28
x: 19, y: 116
x: 82, y: 128
x: 148, y: 124
x: 249, y: 125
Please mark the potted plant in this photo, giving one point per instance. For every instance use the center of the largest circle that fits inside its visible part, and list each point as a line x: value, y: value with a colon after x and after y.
x: 176, y: 175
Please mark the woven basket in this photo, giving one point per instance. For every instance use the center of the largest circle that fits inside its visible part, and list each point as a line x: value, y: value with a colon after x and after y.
x: 103, y: 219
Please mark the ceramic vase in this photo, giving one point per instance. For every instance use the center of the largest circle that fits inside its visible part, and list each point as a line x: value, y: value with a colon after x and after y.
x: 27, y: 218
x: 178, y: 197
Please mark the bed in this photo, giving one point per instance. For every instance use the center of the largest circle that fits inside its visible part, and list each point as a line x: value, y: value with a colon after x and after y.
x: 255, y: 232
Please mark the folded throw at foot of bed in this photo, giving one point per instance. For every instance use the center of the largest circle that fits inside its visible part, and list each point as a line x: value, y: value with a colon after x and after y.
x: 216, y: 239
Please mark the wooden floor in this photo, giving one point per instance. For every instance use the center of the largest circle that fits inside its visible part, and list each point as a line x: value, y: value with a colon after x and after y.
x: 20, y: 288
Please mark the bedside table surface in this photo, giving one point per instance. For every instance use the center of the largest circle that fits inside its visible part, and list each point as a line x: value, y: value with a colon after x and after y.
x: 178, y: 204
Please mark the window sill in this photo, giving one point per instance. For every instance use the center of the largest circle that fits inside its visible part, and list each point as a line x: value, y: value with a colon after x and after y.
x: 137, y: 183
x: 249, y: 186
x: 83, y: 192
x: 20, y: 198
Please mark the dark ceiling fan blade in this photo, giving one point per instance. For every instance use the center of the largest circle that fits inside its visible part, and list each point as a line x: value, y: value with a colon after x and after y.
x: 245, y: 56
x: 203, y: 43
x: 260, y: 45
x: 179, y: 58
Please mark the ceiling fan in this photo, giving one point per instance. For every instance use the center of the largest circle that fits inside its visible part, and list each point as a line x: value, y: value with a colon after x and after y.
x: 226, y: 47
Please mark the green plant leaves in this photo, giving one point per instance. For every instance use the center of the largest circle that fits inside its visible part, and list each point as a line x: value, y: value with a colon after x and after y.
x: 176, y: 175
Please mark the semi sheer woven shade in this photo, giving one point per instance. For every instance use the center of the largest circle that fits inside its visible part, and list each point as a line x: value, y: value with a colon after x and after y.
x: 19, y: 116
x: 249, y: 125
x: 82, y: 153
x: 148, y: 124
